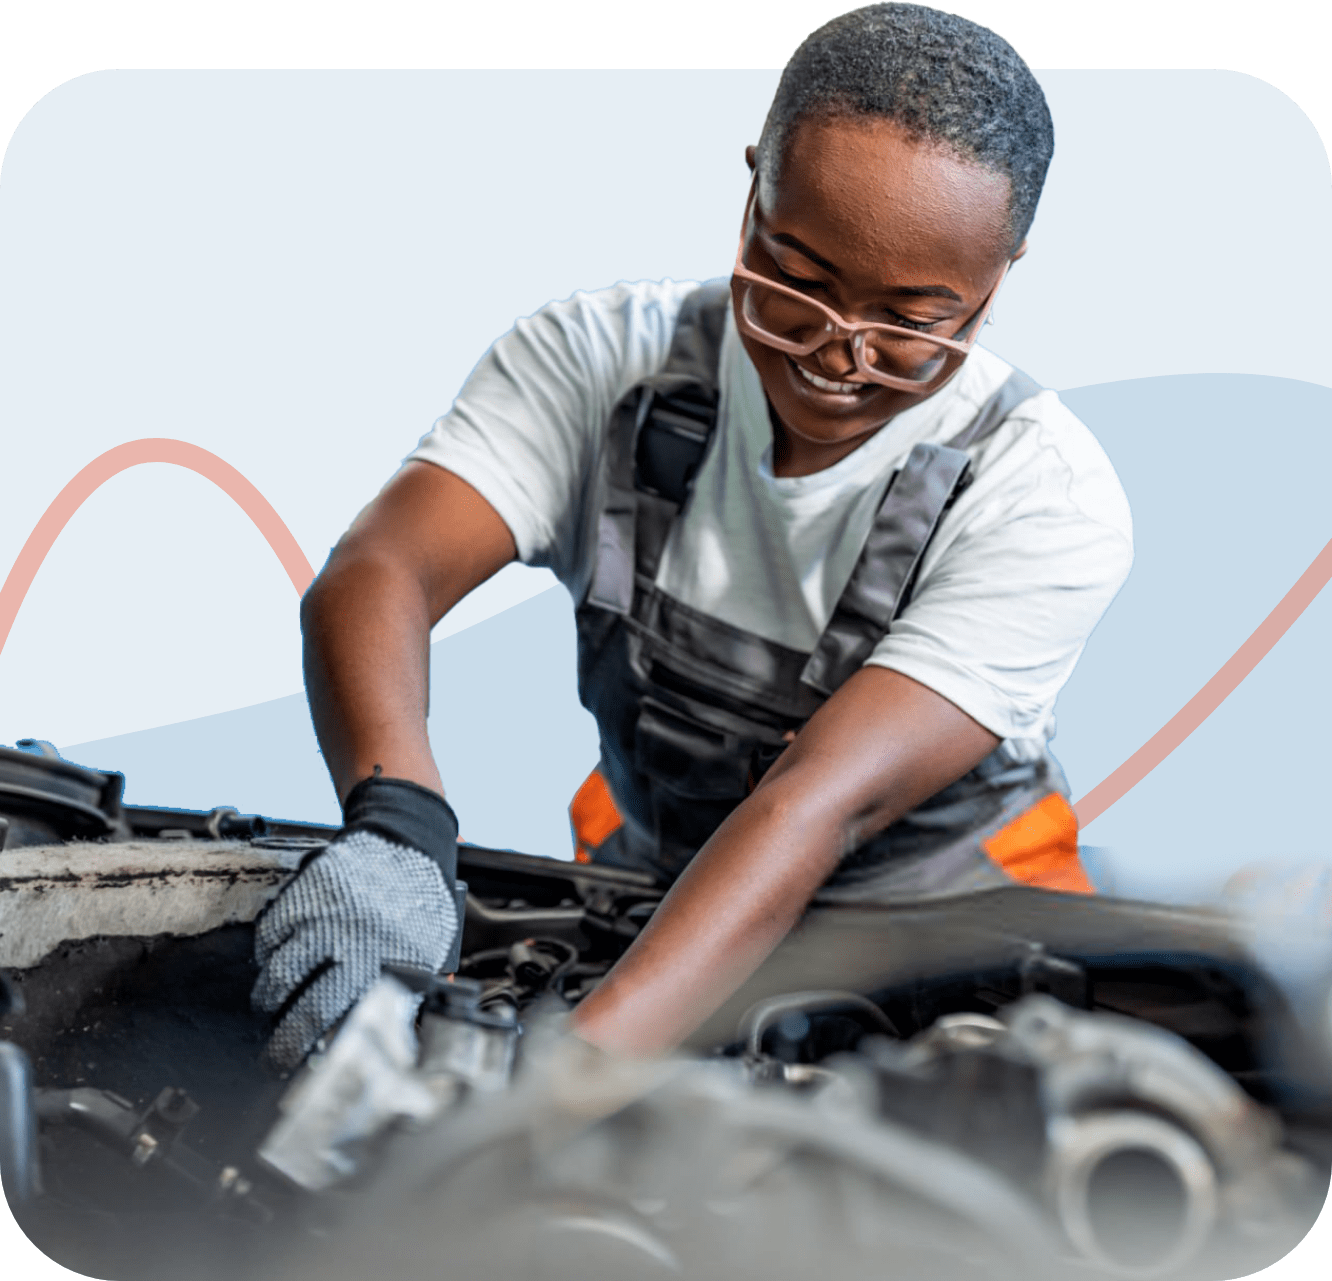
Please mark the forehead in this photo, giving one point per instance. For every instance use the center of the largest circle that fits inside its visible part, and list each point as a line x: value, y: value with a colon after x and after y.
x: 862, y: 191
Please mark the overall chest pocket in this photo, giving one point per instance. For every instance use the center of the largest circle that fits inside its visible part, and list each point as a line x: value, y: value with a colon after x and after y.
x: 690, y: 758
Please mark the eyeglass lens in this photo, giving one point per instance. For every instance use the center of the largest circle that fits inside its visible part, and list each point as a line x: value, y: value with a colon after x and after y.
x: 793, y: 321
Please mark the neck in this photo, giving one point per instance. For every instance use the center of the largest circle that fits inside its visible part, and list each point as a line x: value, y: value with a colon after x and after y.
x: 793, y: 455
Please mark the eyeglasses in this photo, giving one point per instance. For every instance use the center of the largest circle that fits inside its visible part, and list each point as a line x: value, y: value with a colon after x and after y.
x: 893, y: 355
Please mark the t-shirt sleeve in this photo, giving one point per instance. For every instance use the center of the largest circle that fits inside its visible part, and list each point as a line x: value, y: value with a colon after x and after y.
x: 1019, y: 574
x: 526, y: 429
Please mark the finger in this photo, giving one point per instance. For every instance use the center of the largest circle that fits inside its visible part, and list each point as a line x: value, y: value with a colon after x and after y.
x: 286, y: 970
x: 315, y: 1011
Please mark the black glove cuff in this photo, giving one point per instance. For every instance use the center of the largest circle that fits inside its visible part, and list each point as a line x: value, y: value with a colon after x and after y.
x: 409, y: 814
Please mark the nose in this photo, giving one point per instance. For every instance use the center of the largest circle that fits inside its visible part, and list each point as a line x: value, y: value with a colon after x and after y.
x: 835, y: 360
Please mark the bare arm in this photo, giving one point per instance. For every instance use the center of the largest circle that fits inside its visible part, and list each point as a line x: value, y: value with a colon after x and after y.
x: 426, y: 541
x: 881, y: 745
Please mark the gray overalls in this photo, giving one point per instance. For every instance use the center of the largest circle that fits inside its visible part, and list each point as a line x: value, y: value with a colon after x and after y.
x: 692, y: 711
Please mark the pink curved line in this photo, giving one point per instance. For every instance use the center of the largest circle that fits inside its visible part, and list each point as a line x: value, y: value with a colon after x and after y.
x: 112, y: 463
x: 1212, y: 695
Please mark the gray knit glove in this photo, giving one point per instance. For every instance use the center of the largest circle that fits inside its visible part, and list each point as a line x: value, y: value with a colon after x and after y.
x: 366, y: 901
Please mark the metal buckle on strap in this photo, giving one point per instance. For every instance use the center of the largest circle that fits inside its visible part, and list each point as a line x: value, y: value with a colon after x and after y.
x: 673, y: 434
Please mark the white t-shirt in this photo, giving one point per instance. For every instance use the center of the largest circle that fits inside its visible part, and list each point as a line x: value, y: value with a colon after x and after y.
x: 1017, y: 575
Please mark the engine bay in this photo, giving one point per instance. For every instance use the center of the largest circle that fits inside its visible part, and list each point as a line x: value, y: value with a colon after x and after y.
x: 1013, y: 1082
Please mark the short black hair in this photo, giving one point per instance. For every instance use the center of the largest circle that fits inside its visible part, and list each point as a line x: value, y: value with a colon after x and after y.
x: 941, y: 78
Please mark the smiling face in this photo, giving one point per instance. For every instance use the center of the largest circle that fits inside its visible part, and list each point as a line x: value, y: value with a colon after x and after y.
x: 878, y: 227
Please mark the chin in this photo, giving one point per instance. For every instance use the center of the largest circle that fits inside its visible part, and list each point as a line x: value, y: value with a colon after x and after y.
x: 833, y: 424
x: 818, y: 417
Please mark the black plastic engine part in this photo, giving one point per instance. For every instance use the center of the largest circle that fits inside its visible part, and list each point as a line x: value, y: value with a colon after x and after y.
x: 45, y: 799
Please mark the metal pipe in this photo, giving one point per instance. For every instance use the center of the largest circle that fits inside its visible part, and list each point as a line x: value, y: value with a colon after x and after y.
x: 762, y: 1014
x: 18, y: 1127
x: 1134, y: 1194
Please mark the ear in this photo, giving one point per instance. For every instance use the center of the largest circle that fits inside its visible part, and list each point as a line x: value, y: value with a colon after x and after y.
x: 1021, y: 249
x: 750, y: 158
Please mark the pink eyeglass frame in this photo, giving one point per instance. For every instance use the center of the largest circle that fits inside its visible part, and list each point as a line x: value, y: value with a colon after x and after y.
x: 839, y: 327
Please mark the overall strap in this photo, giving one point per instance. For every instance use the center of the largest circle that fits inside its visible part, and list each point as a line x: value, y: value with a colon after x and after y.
x: 1017, y: 387
x: 914, y: 503
x: 658, y: 435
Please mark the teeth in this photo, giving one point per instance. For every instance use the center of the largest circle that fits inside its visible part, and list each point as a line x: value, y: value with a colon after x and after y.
x: 826, y: 384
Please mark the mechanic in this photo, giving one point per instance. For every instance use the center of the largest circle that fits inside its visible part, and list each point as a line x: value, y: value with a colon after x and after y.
x: 832, y: 562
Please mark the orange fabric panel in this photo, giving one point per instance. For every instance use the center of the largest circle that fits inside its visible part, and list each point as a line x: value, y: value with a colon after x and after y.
x: 1040, y: 847
x: 593, y: 815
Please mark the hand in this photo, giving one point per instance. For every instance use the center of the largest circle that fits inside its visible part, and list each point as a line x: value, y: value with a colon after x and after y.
x: 382, y: 892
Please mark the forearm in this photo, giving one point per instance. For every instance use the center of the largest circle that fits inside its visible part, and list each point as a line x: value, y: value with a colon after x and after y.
x: 734, y: 903
x: 366, y: 629
x: 878, y: 747
x: 426, y: 541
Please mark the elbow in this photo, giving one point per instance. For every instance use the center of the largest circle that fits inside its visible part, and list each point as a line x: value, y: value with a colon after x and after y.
x: 831, y: 812
x: 322, y: 591
x: 357, y: 580
x: 312, y: 600
x: 801, y: 812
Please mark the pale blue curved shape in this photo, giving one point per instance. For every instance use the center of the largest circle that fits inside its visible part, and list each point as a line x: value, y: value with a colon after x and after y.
x: 1227, y: 477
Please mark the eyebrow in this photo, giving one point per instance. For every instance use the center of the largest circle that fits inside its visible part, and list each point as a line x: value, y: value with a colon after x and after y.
x: 908, y: 291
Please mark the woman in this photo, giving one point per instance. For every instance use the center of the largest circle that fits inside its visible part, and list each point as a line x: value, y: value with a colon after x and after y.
x: 832, y: 562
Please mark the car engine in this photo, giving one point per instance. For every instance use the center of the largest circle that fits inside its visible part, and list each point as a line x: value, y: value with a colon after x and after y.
x: 1010, y: 1083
